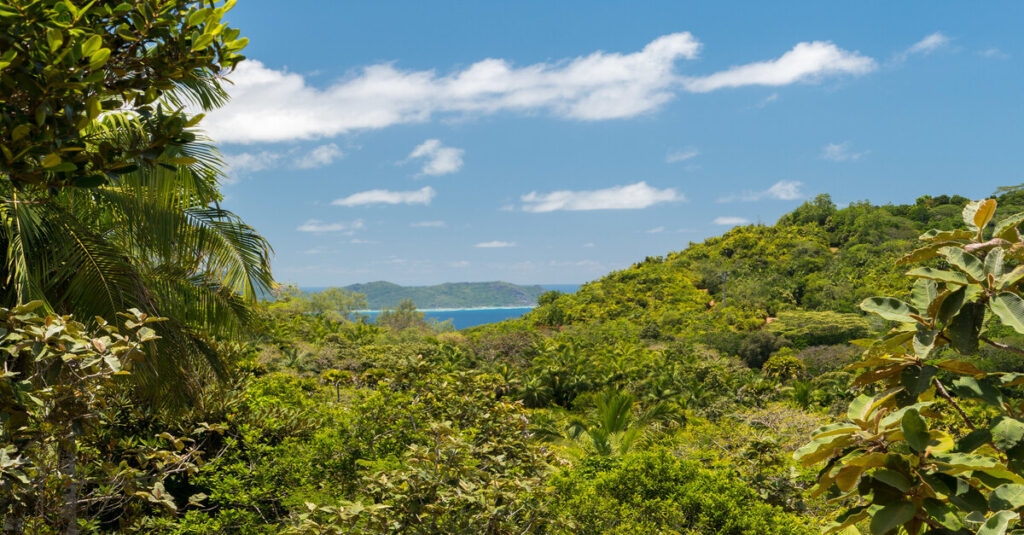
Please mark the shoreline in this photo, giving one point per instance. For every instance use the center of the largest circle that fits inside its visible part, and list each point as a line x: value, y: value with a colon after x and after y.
x: 452, y: 309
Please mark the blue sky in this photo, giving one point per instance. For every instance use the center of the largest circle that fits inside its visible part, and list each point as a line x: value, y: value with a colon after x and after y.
x: 552, y: 142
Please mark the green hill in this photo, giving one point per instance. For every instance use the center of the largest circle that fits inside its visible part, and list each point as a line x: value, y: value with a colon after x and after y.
x: 381, y: 294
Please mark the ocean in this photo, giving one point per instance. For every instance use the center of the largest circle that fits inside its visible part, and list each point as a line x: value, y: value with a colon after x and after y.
x: 467, y: 317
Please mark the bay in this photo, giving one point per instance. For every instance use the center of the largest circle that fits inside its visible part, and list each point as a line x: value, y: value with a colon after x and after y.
x: 464, y: 317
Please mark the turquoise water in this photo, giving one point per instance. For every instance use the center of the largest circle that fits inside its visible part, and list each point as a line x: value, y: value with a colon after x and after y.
x: 468, y: 317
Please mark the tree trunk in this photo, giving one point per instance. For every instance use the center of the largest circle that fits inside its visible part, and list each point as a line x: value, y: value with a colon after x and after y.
x: 68, y: 459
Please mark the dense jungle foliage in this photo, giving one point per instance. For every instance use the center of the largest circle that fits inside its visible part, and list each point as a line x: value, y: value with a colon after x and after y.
x: 724, y: 388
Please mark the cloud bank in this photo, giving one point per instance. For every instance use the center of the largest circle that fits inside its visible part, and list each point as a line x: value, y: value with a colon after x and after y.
x: 271, y: 105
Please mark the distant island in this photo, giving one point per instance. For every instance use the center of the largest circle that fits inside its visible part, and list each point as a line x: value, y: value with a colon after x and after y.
x: 381, y: 294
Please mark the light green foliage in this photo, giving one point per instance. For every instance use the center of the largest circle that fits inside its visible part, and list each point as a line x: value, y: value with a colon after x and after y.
x: 784, y: 366
x: 655, y: 492
x: 901, y: 461
x: 805, y: 328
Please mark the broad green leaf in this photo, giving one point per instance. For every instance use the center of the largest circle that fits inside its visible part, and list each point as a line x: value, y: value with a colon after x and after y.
x: 1007, y: 432
x: 1011, y: 278
x: 937, y: 235
x: 889, y: 308
x: 1010, y: 309
x: 859, y: 408
x: 915, y: 430
x: 923, y: 293
x: 970, y: 387
x: 91, y: 45
x: 1007, y: 228
x: 994, y: 262
x: 1009, y: 496
x: 963, y: 329
x: 998, y: 523
x: 924, y: 341
x: 99, y: 58
x: 940, y: 275
x: 951, y: 306
x: 892, y: 478
x: 892, y: 516
x: 51, y: 160
x: 971, y: 265
x: 942, y: 513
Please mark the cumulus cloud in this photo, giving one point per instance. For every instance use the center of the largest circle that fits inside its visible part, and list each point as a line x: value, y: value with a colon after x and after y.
x: 319, y: 157
x: 806, y: 62
x: 271, y: 105
x: 315, y: 225
x: 655, y: 230
x: 841, y: 152
x: 681, y: 155
x: 438, y: 159
x: 631, y: 197
x: 241, y: 164
x: 783, y: 190
x: 382, y: 196
x: 428, y: 224
x: 495, y: 244
x: 731, y: 221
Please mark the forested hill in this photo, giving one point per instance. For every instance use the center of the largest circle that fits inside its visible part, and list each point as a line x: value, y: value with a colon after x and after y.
x: 817, y: 258
x: 380, y: 295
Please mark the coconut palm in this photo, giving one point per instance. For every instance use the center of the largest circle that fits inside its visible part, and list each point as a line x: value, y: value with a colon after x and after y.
x: 153, y: 237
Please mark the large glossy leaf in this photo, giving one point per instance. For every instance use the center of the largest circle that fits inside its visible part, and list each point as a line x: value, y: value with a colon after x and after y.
x: 940, y: 275
x: 951, y: 306
x: 890, y: 517
x: 1009, y: 496
x: 1007, y: 432
x: 923, y: 293
x: 998, y: 523
x: 915, y: 430
x: 994, y: 262
x: 1010, y: 309
x: 889, y: 308
x: 971, y: 265
x: 963, y: 329
x: 1007, y: 228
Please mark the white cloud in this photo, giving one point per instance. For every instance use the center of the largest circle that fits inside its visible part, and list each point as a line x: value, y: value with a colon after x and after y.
x: 655, y: 230
x: 806, y: 62
x: 783, y: 190
x: 276, y: 105
x: 315, y: 225
x: 680, y: 155
x: 319, y: 157
x: 428, y: 224
x: 841, y: 152
x: 929, y: 44
x: 495, y: 244
x: 440, y: 160
x: 993, y: 53
x: 631, y: 197
x: 383, y: 196
x: 269, y: 105
x: 732, y: 221
x: 459, y: 264
x: 358, y: 241
x: 589, y: 244
x: 241, y: 164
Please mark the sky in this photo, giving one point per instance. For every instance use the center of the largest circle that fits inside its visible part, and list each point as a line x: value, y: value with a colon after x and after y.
x: 553, y: 142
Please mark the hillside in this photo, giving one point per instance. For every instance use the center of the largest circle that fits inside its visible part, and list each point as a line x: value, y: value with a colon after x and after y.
x: 381, y: 294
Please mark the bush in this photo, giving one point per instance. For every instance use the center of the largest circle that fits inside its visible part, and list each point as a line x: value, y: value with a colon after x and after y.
x: 656, y: 492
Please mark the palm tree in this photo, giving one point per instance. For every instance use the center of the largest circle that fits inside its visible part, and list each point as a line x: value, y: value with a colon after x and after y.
x: 614, y: 427
x: 154, y: 238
